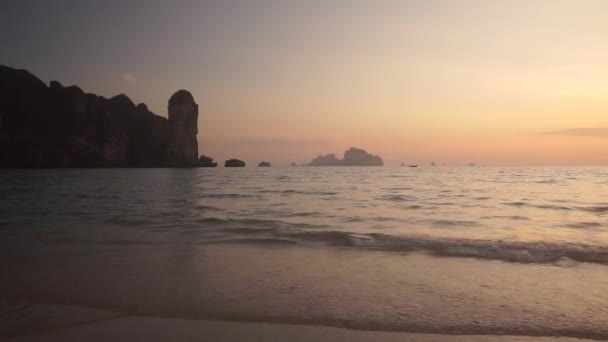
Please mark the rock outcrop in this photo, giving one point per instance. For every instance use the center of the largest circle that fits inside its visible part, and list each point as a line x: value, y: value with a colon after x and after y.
x: 183, y: 118
x: 352, y: 157
x: 359, y: 157
x: 234, y: 163
x: 326, y: 160
x: 59, y: 126
x: 264, y: 164
x: 204, y: 161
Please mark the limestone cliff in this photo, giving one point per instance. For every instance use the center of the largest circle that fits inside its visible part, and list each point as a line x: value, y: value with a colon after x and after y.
x: 183, y: 118
x: 352, y: 157
x: 59, y: 126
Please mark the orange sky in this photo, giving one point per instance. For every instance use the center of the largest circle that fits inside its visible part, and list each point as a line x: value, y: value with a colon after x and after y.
x: 413, y: 81
x: 452, y: 82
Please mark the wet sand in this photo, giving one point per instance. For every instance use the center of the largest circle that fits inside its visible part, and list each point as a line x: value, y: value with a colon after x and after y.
x: 23, y: 322
x: 371, y: 291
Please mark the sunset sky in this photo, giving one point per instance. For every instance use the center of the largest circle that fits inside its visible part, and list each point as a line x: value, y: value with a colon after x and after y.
x: 491, y: 82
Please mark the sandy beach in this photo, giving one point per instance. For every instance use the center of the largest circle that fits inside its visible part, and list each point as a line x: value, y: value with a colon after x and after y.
x: 23, y: 322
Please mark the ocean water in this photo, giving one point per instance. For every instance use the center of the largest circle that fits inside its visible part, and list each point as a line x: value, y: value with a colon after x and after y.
x: 504, y: 251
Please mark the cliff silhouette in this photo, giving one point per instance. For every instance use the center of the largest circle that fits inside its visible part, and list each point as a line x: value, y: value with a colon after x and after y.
x: 352, y: 157
x: 59, y: 126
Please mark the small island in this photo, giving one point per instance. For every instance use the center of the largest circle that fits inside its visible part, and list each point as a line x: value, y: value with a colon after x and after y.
x: 204, y: 161
x: 234, y: 163
x: 264, y: 164
x: 353, y: 157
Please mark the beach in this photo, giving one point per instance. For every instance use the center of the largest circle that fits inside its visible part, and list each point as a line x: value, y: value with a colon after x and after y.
x: 57, y: 323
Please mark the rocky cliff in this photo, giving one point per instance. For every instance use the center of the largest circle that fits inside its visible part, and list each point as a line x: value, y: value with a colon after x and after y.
x: 59, y: 126
x: 183, y: 118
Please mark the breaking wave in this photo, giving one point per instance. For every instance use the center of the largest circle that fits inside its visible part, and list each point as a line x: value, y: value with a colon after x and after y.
x: 254, y: 231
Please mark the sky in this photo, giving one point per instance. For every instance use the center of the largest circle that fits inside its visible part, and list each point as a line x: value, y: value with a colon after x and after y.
x: 519, y: 82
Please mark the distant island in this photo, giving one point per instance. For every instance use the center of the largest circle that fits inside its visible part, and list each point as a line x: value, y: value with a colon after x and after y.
x: 234, y: 163
x: 204, y: 161
x: 264, y: 164
x: 352, y: 157
x: 57, y: 126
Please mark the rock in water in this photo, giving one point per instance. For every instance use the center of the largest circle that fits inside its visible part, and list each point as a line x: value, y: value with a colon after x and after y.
x: 264, y: 164
x: 352, y: 157
x: 358, y: 157
x: 204, y: 161
x: 183, y: 128
x: 234, y: 163
x: 326, y: 160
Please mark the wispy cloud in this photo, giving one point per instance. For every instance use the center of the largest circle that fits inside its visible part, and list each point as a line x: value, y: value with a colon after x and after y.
x: 128, y: 77
x: 601, y: 132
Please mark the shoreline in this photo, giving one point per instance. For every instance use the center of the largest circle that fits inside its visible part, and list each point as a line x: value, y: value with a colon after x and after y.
x: 26, y: 322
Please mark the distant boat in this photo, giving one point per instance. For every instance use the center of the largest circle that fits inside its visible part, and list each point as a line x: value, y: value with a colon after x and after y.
x: 413, y: 165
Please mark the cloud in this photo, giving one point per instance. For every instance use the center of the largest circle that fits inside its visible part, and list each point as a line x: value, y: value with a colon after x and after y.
x: 598, y: 132
x: 128, y: 77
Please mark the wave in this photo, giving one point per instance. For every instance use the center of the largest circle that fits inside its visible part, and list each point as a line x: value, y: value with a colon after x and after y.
x: 539, y: 206
x: 298, y: 192
x: 517, y: 204
x: 509, y: 217
x: 600, y: 209
x: 510, y: 251
x: 254, y: 224
x: 596, y: 209
x: 232, y: 195
x: 504, y: 250
x: 413, y: 207
x: 395, y: 198
x: 398, y: 188
x: 207, y: 208
x: 547, y: 181
x: 592, y: 225
x: 455, y: 223
x: 302, y: 214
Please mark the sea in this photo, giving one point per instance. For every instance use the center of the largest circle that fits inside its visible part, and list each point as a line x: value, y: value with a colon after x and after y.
x: 448, y: 250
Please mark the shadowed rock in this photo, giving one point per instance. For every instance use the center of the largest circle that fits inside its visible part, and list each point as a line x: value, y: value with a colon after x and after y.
x: 234, y: 163
x: 183, y: 118
x: 264, y: 164
x: 358, y: 157
x: 59, y: 126
x: 204, y: 161
x: 326, y: 160
x: 352, y: 157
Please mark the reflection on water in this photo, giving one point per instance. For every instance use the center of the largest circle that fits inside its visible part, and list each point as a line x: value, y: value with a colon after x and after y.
x: 513, y: 250
x: 511, y: 214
